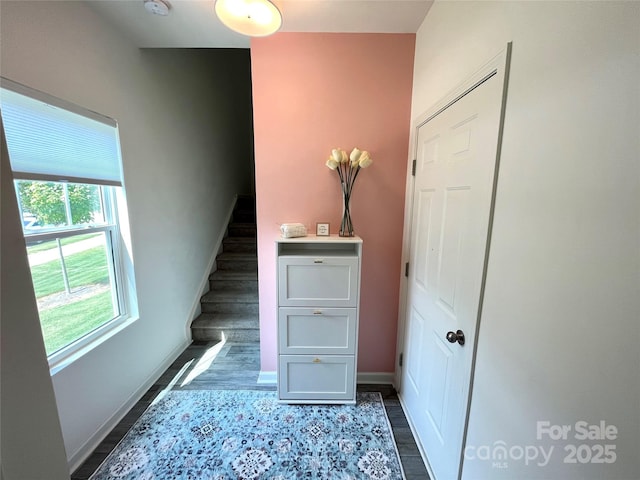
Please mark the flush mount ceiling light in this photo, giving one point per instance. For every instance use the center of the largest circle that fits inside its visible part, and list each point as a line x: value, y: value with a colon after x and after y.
x: 256, y: 18
x: 157, y: 7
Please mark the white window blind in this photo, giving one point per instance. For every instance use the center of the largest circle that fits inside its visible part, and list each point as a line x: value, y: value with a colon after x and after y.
x: 51, y: 141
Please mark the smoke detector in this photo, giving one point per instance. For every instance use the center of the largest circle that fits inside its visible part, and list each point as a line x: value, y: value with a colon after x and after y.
x: 157, y: 7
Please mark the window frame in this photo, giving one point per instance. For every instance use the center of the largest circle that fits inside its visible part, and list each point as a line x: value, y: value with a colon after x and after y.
x: 117, y: 247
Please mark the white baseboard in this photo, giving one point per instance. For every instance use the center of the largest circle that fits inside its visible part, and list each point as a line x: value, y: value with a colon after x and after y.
x: 92, y: 443
x: 384, y: 378
x: 267, y: 378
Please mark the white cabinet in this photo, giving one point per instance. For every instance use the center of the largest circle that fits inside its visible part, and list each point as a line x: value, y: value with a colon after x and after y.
x: 318, y: 303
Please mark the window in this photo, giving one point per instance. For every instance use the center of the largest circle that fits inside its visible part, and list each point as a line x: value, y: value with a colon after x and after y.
x: 67, y: 177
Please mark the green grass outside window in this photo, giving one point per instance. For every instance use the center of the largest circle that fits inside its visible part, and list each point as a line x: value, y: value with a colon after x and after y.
x: 65, y: 324
x: 71, y: 319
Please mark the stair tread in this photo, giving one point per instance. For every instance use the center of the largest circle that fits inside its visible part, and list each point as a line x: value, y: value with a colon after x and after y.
x: 237, y: 256
x: 229, y: 287
x: 243, y: 233
x: 246, y: 197
x: 225, y: 321
x: 229, y: 296
x: 231, y: 239
x: 222, y: 275
x: 232, y: 327
x: 243, y: 224
x: 242, y: 230
x: 240, y: 244
x: 246, y: 336
x: 242, y: 324
x: 229, y: 316
x: 229, y: 307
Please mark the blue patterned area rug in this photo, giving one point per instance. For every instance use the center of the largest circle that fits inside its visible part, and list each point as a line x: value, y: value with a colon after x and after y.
x: 248, y: 435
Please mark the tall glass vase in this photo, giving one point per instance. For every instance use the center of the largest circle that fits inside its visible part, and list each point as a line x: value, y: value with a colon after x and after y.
x: 346, y: 226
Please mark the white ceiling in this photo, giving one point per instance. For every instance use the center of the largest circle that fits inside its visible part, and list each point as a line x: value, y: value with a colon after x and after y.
x: 193, y: 23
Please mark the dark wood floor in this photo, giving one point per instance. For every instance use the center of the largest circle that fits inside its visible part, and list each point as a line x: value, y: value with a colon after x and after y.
x: 211, y: 366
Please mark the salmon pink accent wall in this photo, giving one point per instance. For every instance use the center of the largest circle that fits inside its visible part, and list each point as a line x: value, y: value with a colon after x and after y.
x: 313, y: 92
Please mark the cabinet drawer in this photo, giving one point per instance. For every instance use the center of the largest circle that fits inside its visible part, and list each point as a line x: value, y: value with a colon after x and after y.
x: 316, y: 377
x: 322, y: 281
x: 317, y: 330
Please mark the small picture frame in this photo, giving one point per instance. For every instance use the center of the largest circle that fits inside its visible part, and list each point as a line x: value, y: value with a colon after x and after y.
x: 322, y: 229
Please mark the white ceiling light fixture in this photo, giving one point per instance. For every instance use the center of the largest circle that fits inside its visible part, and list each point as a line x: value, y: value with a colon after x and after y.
x: 255, y: 18
x: 157, y: 7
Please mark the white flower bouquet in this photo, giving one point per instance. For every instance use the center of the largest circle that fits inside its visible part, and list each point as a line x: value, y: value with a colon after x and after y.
x: 348, y: 168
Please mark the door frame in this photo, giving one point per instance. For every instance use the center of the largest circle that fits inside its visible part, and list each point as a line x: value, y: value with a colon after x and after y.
x: 498, y: 67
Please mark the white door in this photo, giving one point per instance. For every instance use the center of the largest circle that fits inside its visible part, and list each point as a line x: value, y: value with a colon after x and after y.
x: 452, y: 202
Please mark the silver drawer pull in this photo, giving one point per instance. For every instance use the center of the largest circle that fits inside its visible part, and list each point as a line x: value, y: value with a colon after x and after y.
x: 317, y: 312
x: 316, y: 360
x: 318, y: 260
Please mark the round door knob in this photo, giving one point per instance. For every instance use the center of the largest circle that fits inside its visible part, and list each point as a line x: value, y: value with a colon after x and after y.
x: 457, y: 336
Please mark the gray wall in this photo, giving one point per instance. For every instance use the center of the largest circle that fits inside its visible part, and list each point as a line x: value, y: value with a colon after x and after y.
x: 185, y: 130
x: 559, y: 332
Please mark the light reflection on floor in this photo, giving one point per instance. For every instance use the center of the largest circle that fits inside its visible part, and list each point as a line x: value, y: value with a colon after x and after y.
x: 204, y: 362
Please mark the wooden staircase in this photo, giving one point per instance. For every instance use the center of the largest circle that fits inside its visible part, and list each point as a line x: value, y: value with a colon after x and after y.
x: 230, y: 308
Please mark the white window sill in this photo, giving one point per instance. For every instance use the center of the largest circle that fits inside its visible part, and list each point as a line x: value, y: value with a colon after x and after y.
x: 63, y: 358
